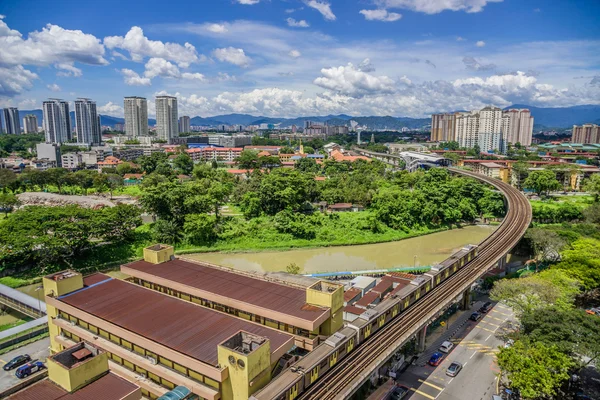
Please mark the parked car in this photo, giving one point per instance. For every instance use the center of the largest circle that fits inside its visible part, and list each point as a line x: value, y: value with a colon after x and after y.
x: 446, y: 347
x: 475, y: 316
x: 17, y: 361
x: 509, y: 343
x: 398, y: 392
x: 486, y: 307
x: 435, y: 359
x: 29, y: 368
x: 454, y: 369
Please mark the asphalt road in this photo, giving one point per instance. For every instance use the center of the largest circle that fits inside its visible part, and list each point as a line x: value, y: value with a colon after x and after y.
x: 475, y: 349
x: 37, y: 350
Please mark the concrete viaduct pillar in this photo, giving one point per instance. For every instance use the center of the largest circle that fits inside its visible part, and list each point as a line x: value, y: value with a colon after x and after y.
x: 465, y: 303
x: 421, y: 334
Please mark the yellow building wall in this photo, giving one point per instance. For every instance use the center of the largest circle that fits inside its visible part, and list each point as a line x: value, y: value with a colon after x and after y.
x: 334, y: 301
x: 505, y: 175
x: 58, y: 288
x: 257, y: 371
x: 79, y: 376
x: 161, y: 255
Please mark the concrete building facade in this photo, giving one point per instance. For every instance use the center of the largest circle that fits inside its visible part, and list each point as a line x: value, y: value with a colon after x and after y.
x: 517, y: 126
x: 30, y: 124
x: 184, y: 124
x: 136, y: 116
x: 443, y: 127
x: 57, y: 121
x: 12, y: 121
x: 166, y: 118
x: 586, y: 134
x: 87, y: 123
x: 48, y: 151
x: 218, y: 333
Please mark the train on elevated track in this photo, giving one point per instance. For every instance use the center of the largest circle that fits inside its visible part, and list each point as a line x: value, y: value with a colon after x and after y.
x: 293, y: 381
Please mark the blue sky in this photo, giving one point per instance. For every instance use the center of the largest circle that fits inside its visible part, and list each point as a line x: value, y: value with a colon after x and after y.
x: 302, y: 57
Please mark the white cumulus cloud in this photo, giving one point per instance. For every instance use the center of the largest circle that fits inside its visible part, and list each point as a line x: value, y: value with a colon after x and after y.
x: 437, y: 6
x: 349, y: 80
x: 54, y: 87
x: 51, y: 45
x: 112, y: 109
x: 323, y: 7
x: 132, y: 78
x: 68, y: 69
x: 216, y: 28
x: 294, y: 53
x: 15, y: 80
x: 140, y: 47
x: 232, y: 56
x: 160, y: 67
x: 480, y: 43
x: 380, y: 15
x: 297, y: 24
x: 248, y: 2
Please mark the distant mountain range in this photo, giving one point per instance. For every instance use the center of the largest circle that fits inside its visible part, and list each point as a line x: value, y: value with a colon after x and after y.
x: 564, y: 117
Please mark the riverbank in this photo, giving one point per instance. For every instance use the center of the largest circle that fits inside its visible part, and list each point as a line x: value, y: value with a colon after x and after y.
x: 423, y: 250
x: 239, y: 235
x: 247, y: 236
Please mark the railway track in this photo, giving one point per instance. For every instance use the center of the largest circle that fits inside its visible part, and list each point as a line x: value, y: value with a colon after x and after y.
x: 341, y: 381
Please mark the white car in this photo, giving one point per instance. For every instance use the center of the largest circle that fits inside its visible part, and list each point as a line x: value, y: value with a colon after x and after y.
x: 446, y: 347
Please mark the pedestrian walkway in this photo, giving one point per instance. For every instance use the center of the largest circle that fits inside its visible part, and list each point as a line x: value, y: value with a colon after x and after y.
x: 448, y: 334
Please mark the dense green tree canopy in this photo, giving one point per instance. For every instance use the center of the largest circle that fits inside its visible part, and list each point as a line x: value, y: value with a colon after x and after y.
x: 534, y: 368
x: 542, y: 182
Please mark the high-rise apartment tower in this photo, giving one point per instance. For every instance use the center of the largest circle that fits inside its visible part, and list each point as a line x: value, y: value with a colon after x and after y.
x: 57, y: 121
x: 87, y: 124
x: 136, y: 116
x: 166, y: 118
x: 30, y: 124
x: 12, y: 120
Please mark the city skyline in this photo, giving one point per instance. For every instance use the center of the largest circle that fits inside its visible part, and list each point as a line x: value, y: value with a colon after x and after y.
x: 279, y: 59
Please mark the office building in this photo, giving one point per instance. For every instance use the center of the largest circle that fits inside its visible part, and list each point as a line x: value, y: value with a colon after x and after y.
x: 136, y: 116
x: 87, y: 123
x: 30, y: 124
x: 443, y: 127
x: 517, y: 126
x: 166, y: 118
x: 57, y: 121
x: 586, y: 134
x: 184, y: 124
x: 12, y: 121
x: 48, y: 151
x: 175, y: 322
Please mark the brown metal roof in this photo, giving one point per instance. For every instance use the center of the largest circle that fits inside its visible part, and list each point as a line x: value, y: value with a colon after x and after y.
x: 180, y: 325
x: 350, y: 294
x: 94, y: 278
x: 354, y: 310
x: 108, y: 387
x: 268, y: 295
x: 383, y: 286
x: 367, y: 299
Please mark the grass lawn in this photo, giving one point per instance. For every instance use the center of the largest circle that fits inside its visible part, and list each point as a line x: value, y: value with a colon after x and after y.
x: 555, y: 201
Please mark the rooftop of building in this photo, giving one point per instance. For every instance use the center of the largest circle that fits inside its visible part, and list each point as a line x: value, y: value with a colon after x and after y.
x: 351, y: 293
x: 184, y: 327
x: 107, y: 387
x: 491, y: 165
x: 367, y: 299
x: 354, y: 310
x: 257, y: 292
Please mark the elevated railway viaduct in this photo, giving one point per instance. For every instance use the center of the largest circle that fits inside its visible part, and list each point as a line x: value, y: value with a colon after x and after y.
x: 346, y: 375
